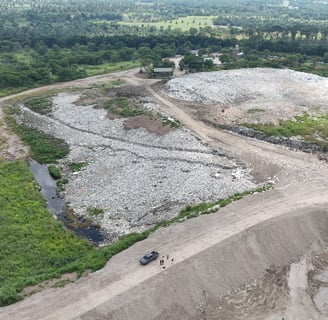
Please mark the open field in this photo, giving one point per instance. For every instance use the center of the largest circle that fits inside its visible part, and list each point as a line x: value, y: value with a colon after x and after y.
x: 184, y: 24
x: 109, y: 67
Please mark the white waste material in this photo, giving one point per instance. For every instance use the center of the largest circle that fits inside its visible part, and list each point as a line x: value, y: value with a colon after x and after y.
x: 137, y: 178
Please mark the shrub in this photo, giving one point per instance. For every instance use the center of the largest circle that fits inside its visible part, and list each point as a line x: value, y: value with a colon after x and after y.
x: 123, y: 107
x: 8, y: 295
x: 61, y: 184
x: 77, y: 166
x: 54, y: 171
x: 95, y: 211
x: 42, y: 105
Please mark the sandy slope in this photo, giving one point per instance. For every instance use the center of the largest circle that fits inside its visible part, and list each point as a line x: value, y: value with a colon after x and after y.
x: 213, y: 255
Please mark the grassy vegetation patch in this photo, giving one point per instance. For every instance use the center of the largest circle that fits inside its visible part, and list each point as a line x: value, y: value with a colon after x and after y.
x: 182, y: 23
x: 168, y: 121
x: 124, y: 107
x: 8, y: 91
x: 34, y: 246
x: 54, y: 171
x: 192, y: 211
x: 313, y: 129
x: 44, y: 147
x: 42, y: 105
x: 95, y: 211
x: 77, y: 166
x: 61, y: 184
x: 92, y: 70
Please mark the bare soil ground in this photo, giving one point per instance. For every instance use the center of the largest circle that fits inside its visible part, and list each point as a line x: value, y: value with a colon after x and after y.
x: 149, y: 123
x: 11, y: 147
x: 263, y: 257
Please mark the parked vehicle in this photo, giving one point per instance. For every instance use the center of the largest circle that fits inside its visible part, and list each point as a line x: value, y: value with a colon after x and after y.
x: 150, y: 256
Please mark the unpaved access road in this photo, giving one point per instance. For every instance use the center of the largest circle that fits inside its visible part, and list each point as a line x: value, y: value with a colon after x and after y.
x: 213, y: 255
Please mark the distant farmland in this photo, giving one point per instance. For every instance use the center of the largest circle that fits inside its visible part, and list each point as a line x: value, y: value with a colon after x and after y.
x: 184, y: 23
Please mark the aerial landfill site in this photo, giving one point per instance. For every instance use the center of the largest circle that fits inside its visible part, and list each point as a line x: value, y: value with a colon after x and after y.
x: 263, y: 257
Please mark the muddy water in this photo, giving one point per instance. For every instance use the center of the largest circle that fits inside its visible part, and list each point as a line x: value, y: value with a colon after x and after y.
x: 48, y: 186
x: 57, y: 205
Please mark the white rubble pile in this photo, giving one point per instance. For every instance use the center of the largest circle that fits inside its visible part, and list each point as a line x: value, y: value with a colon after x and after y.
x: 252, y: 88
x: 137, y: 178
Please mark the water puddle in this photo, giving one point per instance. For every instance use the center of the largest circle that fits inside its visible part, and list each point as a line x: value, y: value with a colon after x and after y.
x: 58, y: 206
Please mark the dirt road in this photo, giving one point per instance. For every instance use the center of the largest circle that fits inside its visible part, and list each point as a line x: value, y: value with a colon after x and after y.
x: 212, y: 255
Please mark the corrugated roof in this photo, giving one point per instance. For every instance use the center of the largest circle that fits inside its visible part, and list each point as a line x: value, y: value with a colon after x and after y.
x: 163, y: 69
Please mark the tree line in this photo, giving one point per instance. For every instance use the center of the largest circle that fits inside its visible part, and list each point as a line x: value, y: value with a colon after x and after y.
x: 61, y: 59
x: 46, y: 41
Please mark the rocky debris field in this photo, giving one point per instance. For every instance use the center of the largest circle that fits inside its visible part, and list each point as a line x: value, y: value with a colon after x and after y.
x: 137, y: 178
x: 252, y: 95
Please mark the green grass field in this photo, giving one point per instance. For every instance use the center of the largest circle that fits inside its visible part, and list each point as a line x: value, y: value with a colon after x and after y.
x: 109, y: 67
x: 184, y: 24
x: 34, y: 246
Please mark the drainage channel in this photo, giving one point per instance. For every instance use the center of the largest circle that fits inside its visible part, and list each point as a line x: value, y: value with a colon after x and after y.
x: 58, y: 207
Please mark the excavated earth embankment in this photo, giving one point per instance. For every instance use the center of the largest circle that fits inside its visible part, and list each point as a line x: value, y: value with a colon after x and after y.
x: 225, y: 266
x: 243, y: 277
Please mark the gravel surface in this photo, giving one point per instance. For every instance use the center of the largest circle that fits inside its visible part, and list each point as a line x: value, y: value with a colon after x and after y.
x: 137, y: 178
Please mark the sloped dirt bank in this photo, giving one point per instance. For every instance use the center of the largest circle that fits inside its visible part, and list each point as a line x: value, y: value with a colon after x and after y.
x: 243, y: 277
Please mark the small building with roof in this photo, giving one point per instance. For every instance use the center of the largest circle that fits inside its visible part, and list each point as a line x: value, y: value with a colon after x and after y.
x: 163, y: 72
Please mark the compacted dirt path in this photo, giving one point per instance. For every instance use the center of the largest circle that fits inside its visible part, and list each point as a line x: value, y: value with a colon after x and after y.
x: 209, y: 256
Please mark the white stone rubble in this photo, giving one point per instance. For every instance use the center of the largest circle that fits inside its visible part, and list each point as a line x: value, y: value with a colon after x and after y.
x: 263, y: 88
x: 137, y: 178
